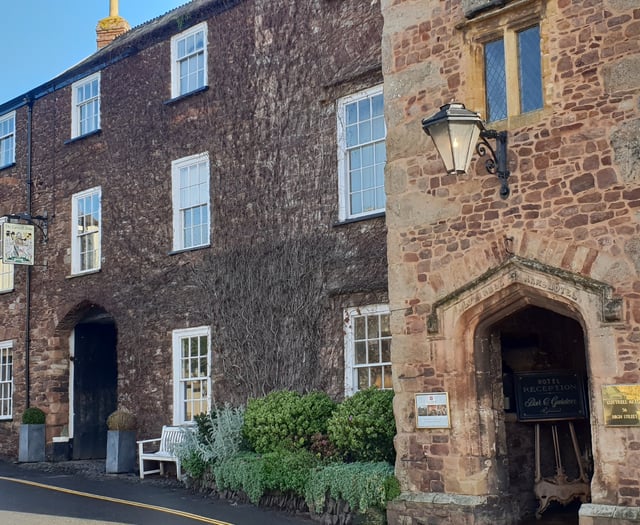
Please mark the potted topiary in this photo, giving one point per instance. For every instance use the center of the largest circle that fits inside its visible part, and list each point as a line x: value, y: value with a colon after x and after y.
x: 32, y: 436
x: 121, y: 442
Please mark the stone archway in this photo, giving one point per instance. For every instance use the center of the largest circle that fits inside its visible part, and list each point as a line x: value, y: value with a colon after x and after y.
x: 543, y: 348
x: 466, y: 329
x: 91, y: 334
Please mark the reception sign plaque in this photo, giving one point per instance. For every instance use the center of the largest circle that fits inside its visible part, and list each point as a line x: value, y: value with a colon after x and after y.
x: 550, y: 396
x: 621, y: 405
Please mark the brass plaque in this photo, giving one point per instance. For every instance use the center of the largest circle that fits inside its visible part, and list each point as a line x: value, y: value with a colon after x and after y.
x: 621, y: 405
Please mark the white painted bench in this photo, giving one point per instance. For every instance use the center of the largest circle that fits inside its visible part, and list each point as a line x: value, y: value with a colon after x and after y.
x: 164, y: 453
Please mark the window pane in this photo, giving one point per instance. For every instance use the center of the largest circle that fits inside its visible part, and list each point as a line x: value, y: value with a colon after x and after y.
x: 378, y: 129
x: 359, y: 327
x: 374, y: 352
x: 352, y: 136
x: 351, y: 111
x: 377, y: 104
x: 364, y: 109
x: 364, y: 131
x: 355, y: 200
x: 385, y: 356
x: 362, y: 378
x: 495, y: 80
x: 361, y: 353
x: 530, y: 69
x: 387, y: 381
x: 376, y: 377
x: 367, y: 154
x: 356, y: 181
x: 354, y: 159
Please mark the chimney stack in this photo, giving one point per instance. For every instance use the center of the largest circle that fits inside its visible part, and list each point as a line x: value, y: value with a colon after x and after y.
x: 111, y: 27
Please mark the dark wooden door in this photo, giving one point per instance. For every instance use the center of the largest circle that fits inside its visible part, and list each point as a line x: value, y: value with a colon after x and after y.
x: 94, y: 388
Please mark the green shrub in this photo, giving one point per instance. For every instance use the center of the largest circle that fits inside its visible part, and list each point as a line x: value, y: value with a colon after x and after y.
x: 362, y: 427
x: 282, y: 471
x: 288, y: 471
x: 362, y: 485
x: 242, y: 472
x: 33, y: 416
x: 285, y: 419
x: 217, y: 436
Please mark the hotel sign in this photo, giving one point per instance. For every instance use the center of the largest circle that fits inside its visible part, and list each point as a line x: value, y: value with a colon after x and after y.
x: 621, y: 405
x: 550, y: 396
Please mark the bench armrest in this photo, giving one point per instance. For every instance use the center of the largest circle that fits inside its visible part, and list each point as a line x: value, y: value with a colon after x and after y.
x: 148, y: 441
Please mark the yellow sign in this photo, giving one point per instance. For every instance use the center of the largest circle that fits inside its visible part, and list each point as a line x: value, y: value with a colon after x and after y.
x: 621, y: 405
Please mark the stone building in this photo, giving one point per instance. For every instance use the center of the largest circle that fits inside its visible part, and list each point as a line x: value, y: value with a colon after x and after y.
x: 516, y: 317
x: 213, y: 177
x: 207, y: 196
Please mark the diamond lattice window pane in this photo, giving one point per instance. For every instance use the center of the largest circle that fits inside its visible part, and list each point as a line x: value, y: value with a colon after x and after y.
x: 495, y: 80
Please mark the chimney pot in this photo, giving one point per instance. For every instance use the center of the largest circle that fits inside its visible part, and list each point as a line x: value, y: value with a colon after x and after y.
x: 112, y: 27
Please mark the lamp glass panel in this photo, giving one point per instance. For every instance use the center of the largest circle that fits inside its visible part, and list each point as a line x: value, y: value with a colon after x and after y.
x: 464, y: 135
x: 440, y: 134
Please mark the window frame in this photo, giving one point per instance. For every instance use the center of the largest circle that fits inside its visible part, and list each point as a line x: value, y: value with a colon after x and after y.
x: 6, y: 277
x: 176, y: 60
x: 178, y: 243
x: 5, y: 269
x: 179, y: 416
x: 11, y: 137
x: 512, y: 67
x: 6, y: 379
x: 505, y: 23
x: 344, y: 203
x: 76, y: 106
x: 76, y: 253
x: 350, y: 367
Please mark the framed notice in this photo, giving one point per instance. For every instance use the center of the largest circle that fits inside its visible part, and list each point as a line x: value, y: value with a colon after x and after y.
x: 432, y: 410
x: 550, y: 396
x: 17, y: 243
x: 621, y: 404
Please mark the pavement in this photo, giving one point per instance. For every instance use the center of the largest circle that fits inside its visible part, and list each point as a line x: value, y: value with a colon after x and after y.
x: 164, y: 494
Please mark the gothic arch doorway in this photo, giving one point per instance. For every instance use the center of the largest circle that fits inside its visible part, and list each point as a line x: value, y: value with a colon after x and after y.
x: 93, y: 382
x: 534, y: 343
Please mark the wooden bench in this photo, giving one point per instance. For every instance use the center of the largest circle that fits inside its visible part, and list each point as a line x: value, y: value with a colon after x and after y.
x: 164, y: 453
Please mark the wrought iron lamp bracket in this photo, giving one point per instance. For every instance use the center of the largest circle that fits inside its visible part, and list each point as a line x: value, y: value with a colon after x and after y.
x: 496, y: 163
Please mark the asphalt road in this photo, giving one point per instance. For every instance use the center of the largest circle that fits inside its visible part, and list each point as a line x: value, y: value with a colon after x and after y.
x: 32, y: 496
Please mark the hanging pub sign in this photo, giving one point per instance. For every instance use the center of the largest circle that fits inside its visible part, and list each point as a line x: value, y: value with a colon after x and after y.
x: 550, y: 396
x: 621, y: 405
x: 17, y: 243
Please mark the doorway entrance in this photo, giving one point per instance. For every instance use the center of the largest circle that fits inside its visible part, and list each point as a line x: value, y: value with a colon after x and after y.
x: 94, y: 382
x: 547, y: 448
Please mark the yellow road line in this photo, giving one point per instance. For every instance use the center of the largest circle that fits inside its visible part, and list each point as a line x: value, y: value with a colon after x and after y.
x: 166, y: 510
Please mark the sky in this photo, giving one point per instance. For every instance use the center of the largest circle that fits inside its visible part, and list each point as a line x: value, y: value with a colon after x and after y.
x: 42, y: 38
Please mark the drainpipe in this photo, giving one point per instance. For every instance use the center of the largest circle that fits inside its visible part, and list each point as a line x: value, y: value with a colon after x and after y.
x: 27, y: 323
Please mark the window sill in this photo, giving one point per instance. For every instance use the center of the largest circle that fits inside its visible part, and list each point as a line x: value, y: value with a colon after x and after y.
x: 521, y: 120
x: 3, y: 292
x: 186, y: 95
x: 82, y: 274
x: 7, y: 166
x: 192, y: 249
x: 80, y: 137
x: 360, y: 219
